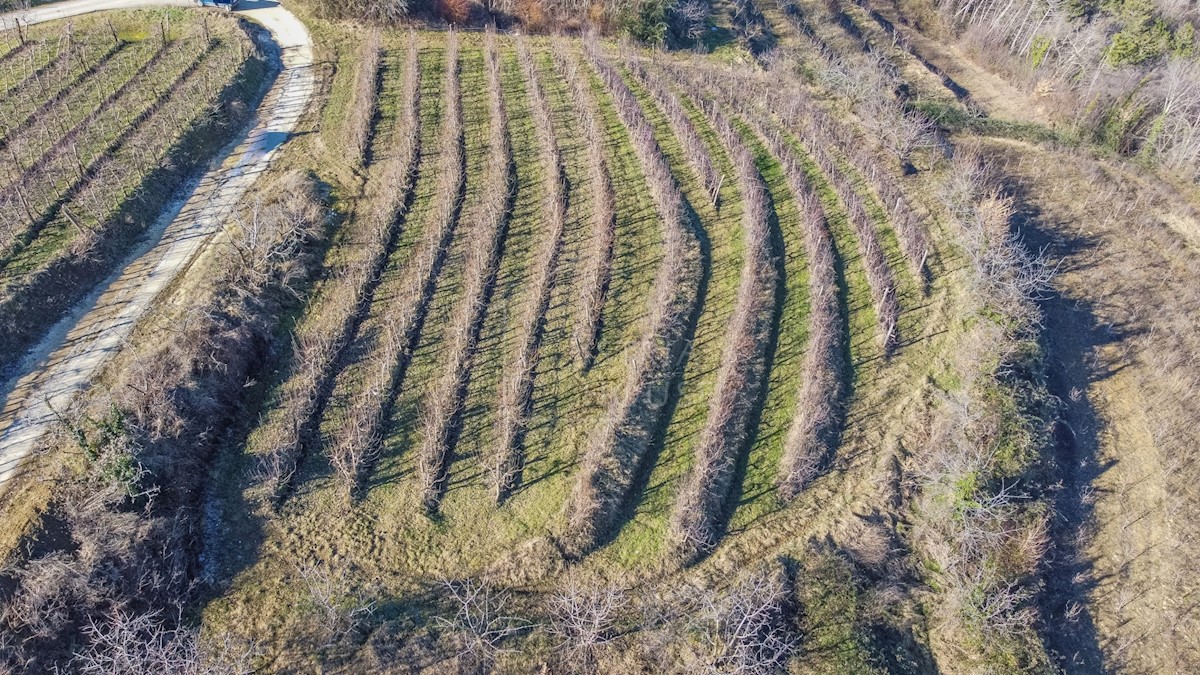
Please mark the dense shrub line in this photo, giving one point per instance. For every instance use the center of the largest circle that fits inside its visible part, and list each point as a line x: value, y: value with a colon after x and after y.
x: 701, y: 502
x: 615, y: 449
x: 356, y: 442
x: 517, y: 380
x: 441, y: 411
x: 596, y: 275
x: 334, y: 317
x: 365, y: 97
x: 817, y: 421
x: 693, y: 146
x: 978, y: 498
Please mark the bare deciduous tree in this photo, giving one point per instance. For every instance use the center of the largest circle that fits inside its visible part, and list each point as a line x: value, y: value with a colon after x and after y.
x: 584, y: 617
x: 333, y: 610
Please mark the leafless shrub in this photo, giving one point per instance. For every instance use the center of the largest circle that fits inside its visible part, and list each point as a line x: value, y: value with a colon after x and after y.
x: 442, y: 407
x: 1006, y: 277
x: 517, y: 380
x: 700, y: 503
x: 597, y: 268
x: 584, y: 617
x: 753, y: 29
x: 49, y: 589
x: 268, y: 240
x: 364, y: 97
x: 481, y: 621
x: 616, y: 448
x: 689, y: 19
x: 744, y: 628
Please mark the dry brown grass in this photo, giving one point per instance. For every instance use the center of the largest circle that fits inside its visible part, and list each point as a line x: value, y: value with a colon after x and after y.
x: 1125, y: 333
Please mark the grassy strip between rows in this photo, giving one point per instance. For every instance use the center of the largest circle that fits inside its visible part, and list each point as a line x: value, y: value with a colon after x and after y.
x: 758, y: 495
x: 644, y: 536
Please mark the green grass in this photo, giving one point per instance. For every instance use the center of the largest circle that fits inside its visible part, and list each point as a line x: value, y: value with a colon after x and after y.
x: 758, y: 496
x: 643, y: 537
x: 343, y: 43
x: 955, y: 119
x: 836, y: 640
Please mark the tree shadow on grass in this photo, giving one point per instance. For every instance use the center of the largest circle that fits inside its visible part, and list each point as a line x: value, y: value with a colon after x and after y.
x: 1071, y: 339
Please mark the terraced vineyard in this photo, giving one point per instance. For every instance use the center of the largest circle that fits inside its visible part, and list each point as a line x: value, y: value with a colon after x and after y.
x: 597, y: 316
x: 102, y: 121
x: 530, y: 354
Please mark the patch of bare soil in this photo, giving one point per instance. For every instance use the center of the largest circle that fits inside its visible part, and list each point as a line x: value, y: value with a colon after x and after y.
x: 1121, y: 335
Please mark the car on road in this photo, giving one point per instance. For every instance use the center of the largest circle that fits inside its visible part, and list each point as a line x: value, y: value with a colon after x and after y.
x: 224, y: 4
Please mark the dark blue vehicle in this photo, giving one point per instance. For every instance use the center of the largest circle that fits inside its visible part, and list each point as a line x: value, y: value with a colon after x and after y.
x: 227, y: 5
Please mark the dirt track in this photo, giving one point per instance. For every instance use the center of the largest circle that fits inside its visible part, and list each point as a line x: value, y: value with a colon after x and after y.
x: 74, y: 352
